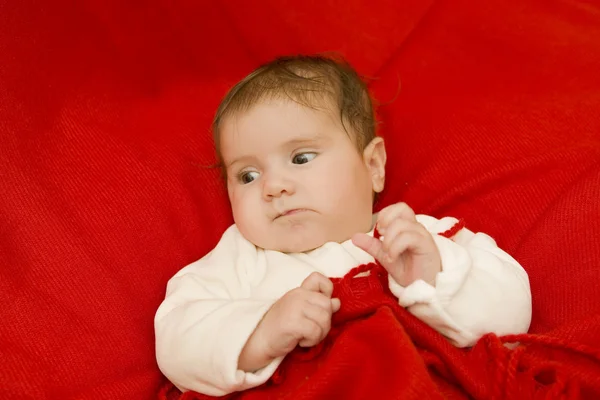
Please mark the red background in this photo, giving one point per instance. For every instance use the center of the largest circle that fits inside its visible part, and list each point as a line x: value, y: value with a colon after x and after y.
x: 490, y: 111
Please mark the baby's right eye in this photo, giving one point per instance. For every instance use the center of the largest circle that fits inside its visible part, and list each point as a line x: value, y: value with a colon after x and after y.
x: 248, y: 176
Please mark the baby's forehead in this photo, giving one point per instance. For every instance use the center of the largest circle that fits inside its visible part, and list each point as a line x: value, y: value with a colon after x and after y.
x: 282, y: 113
x: 321, y: 102
x: 308, y: 105
x: 277, y: 125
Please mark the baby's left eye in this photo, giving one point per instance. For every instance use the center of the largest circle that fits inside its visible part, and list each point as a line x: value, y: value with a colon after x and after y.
x: 303, y: 158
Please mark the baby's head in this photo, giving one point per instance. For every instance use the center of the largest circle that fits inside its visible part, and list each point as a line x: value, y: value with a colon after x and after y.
x: 297, y: 141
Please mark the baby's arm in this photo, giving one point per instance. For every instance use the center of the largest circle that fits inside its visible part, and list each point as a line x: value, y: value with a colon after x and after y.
x: 464, y: 287
x: 481, y: 289
x: 214, y: 337
x: 206, y: 319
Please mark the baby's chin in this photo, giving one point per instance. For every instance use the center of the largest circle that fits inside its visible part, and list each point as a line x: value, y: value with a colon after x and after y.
x: 299, y: 238
x: 294, y: 246
x: 291, y: 243
x: 298, y: 248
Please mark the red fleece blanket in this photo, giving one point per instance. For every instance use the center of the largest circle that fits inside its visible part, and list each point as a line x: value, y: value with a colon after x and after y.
x: 376, y: 349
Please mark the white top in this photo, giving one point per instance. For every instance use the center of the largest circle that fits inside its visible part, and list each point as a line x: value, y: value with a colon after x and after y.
x: 213, y: 305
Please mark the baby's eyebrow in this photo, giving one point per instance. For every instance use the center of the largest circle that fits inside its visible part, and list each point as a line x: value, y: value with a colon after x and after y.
x: 241, y: 159
x: 298, y: 142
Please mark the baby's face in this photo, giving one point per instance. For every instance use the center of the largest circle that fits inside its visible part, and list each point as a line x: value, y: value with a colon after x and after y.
x: 295, y: 178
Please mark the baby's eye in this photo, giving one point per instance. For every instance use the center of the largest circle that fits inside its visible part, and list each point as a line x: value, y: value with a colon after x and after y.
x: 303, y: 158
x: 248, y: 176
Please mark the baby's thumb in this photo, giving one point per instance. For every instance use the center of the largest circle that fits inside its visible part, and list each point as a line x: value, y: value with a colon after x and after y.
x: 368, y: 243
x: 335, y: 305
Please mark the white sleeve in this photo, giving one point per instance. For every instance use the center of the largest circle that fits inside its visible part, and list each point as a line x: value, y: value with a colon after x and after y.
x: 481, y: 289
x: 207, y: 317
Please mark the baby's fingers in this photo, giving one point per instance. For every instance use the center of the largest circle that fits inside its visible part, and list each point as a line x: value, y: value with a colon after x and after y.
x: 392, y: 213
x: 311, y: 333
x: 335, y: 305
x: 368, y: 244
x: 410, y: 240
x: 319, y: 283
x: 400, y: 227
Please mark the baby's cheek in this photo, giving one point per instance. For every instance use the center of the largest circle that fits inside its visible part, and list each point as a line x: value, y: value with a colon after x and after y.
x: 330, y: 180
x: 248, y: 203
x: 238, y: 206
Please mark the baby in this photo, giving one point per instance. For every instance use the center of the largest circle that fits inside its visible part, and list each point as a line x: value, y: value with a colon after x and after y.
x: 296, y: 139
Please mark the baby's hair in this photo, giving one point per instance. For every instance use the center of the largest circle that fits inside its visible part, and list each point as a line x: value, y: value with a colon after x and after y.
x: 317, y: 82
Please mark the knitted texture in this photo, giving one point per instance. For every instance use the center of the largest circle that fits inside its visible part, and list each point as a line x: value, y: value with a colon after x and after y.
x: 489, y: 111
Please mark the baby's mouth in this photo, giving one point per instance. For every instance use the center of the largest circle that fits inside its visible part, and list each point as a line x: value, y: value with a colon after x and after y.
x: 293, y: 211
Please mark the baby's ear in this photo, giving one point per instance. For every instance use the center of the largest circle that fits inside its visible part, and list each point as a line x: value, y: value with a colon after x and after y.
x: 374, y: 157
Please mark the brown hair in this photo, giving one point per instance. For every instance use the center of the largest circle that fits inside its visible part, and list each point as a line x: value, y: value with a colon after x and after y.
x: 312, y: 81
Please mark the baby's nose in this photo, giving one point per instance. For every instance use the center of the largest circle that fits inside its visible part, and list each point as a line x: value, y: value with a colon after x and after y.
x: 275, y: 185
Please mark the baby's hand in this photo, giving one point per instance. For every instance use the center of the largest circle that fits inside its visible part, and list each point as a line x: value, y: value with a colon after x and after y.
x: 301, y: 317
x: 406, y: 250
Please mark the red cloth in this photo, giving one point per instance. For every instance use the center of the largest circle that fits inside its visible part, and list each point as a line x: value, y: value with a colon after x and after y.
x: 104, y: 115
